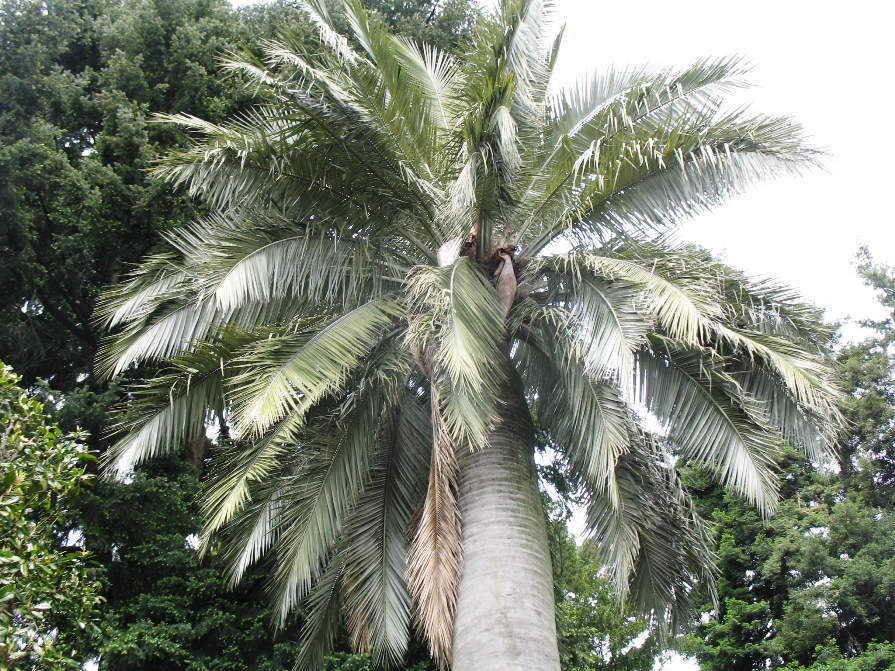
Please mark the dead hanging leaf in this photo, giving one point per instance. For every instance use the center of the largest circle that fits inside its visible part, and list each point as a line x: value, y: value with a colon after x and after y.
x: 434, y: 555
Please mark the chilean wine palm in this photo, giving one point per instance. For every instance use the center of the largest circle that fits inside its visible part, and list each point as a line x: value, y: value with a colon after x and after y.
x: 405, y: 255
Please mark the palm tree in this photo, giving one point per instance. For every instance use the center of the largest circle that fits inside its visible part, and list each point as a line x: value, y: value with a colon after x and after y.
x: 407, y: 256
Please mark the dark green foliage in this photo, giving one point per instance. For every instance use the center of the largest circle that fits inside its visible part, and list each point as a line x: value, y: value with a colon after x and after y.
x: 166, y: 608
x: 44, y: 586
x: 445, y: 24
x: 868, y: 457
x: 78, y: 81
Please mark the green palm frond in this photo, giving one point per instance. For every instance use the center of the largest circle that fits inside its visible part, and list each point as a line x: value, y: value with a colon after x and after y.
x: 169, y: 331
x: 288, y: 374
x: 656, y: 546
x: 245, y: 486
x: 264, y: 259
x: 586, y: 418
x: 608, y: 318
x: 620, y: 98
x: 460, y: 324
x: 435, y: 72
x: 335, y: 468
x: 161, y: 277
x: 700, y: 408
x: 651, y: 157
x: 685, y: 301
x: 174, y: 408
x: 376, y: 599
x: 321, y: 626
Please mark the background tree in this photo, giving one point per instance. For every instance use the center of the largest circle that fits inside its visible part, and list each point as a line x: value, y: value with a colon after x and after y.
x: 370, y: 301
x: 43, y: 587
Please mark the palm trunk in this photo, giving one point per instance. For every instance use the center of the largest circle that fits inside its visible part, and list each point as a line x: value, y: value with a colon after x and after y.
x: 505, y: 617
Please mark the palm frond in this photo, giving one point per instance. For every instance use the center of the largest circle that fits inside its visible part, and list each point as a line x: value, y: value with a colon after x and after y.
x: 321, y: 626
x: 697, y: 406
x: 662, y: 172
x: 458, y: 320
x: 167, y: 412
x: 435, y: 552
x: 586, y: 418
x: 169, y: 331
x: 685, y: 302
x: 608, y: 317
x: 336, y: 468
x: 655, y: 545
x: 376, y: 599
x: 288, y: 374
x: 246, y: 485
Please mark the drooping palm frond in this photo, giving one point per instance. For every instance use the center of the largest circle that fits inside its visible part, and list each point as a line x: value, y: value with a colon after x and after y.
x: 321, y: 627
x: 434, y: 555
x: 459, y: 328
x: 174, y: 408
x: 253, y: 258
x: 687, y: 394
x: 656, y: 547
x: 290, y: 373
x: 321, y: 494
x: 586, y: 417
x: 375, y: 593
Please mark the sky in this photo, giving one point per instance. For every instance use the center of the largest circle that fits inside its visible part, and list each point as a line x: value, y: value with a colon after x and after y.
x: 829, y: 65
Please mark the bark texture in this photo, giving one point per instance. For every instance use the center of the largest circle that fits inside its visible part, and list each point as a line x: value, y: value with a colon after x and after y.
x: 505, y: 617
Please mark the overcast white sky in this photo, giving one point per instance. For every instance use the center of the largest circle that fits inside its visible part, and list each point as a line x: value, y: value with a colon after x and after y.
x: 827, y: 64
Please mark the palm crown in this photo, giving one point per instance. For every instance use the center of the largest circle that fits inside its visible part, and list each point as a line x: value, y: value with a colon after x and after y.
x: 407, y: 253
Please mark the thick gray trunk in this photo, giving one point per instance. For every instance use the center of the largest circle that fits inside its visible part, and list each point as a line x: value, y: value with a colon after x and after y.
x: 505, y: 614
